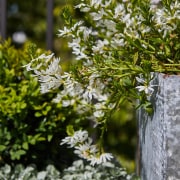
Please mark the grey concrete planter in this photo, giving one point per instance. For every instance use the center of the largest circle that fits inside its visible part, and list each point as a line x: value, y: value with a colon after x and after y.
x: 159, y: 134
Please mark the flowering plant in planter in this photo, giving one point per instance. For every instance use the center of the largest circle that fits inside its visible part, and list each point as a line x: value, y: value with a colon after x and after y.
x: 116, y: 48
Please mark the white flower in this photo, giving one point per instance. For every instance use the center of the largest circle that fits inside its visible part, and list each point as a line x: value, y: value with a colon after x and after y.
x: 89, y: 93
x: 66, y: 103
x: 99, y: 48
x: 103, y: 158
x: 166, y: 20
x: 119, y: 10
x: 54, y: 68
x: 79, y: 6
x: 72, y: 87
x: 128, y: 20
x: 155, y: 1
x: 64, y: 32
x: 28, y: 66
x: 79, y: 52
x: 77, y: 49
x: 68, y: 32
x: 76, y: 25
x: 88, y: 62
x: 98, y: 113
x: 116, y: 41
x: 58, y: 97
x: 99, y: 107
x: 42, y: 57
x: 46, y: 58
x: 111, y: 27
x: 86, y: 34
x: 48, y: 83
x: 83, y: 7
x: 97, y: 16
x: 146, y: 87
x: 78, y: 137
x: 48, y: 71
x: 75, y: 43
x: 86, y: 150
x: 51, y: 77
x: 95, y: 3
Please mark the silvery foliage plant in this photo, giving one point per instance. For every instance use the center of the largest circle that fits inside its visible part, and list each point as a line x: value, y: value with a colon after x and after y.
x: 116, y: 47
x: 19, y: 172
x: 78, y: 171
x: 106, y: 171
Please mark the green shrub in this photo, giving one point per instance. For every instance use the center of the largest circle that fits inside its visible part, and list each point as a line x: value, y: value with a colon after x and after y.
x: 30, y: 124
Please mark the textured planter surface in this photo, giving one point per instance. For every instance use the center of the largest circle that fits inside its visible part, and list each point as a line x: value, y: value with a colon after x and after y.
x: 159, y: 134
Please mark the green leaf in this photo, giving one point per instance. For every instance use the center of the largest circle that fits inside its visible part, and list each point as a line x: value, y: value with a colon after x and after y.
x: 1, y: 55
x: 25, y: 145
x: 31, y: 140
x: 135, y: 58
x: 50, y: 136
x: 48, y: 108
x: 70, y: 130
x: 2, y: 147
x: 23, y: 105
x: 17, y: 154
x: 41, y: 139
x: 38, y: 114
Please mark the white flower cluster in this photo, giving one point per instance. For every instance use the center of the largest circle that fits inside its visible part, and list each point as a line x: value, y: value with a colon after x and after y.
x: 166, y: 19
x: 48, y: 71
x: 84, y: 97
x: 115, y: 21
x: 85, y: 149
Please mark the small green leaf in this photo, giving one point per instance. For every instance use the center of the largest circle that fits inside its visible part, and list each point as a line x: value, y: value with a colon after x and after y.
x: 70, y: 130
x: 23, y: 105
x: 41, y: 139
x: 38, y: 114
x: 48, y: 108
x: 49, y: 137
x: 17, y: 154
x: 25, y: 146
x: 135, y: 58
x: 31, y: 140
x: 2, y: 147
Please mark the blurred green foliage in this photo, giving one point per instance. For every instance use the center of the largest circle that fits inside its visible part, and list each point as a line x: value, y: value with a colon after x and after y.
x: 30, y: 17
x: 121, y: 136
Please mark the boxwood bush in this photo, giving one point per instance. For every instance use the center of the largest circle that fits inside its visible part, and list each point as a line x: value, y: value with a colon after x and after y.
x: 31, y: 125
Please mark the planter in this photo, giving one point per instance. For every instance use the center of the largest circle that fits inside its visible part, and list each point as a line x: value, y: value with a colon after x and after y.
x: 159, y: 134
